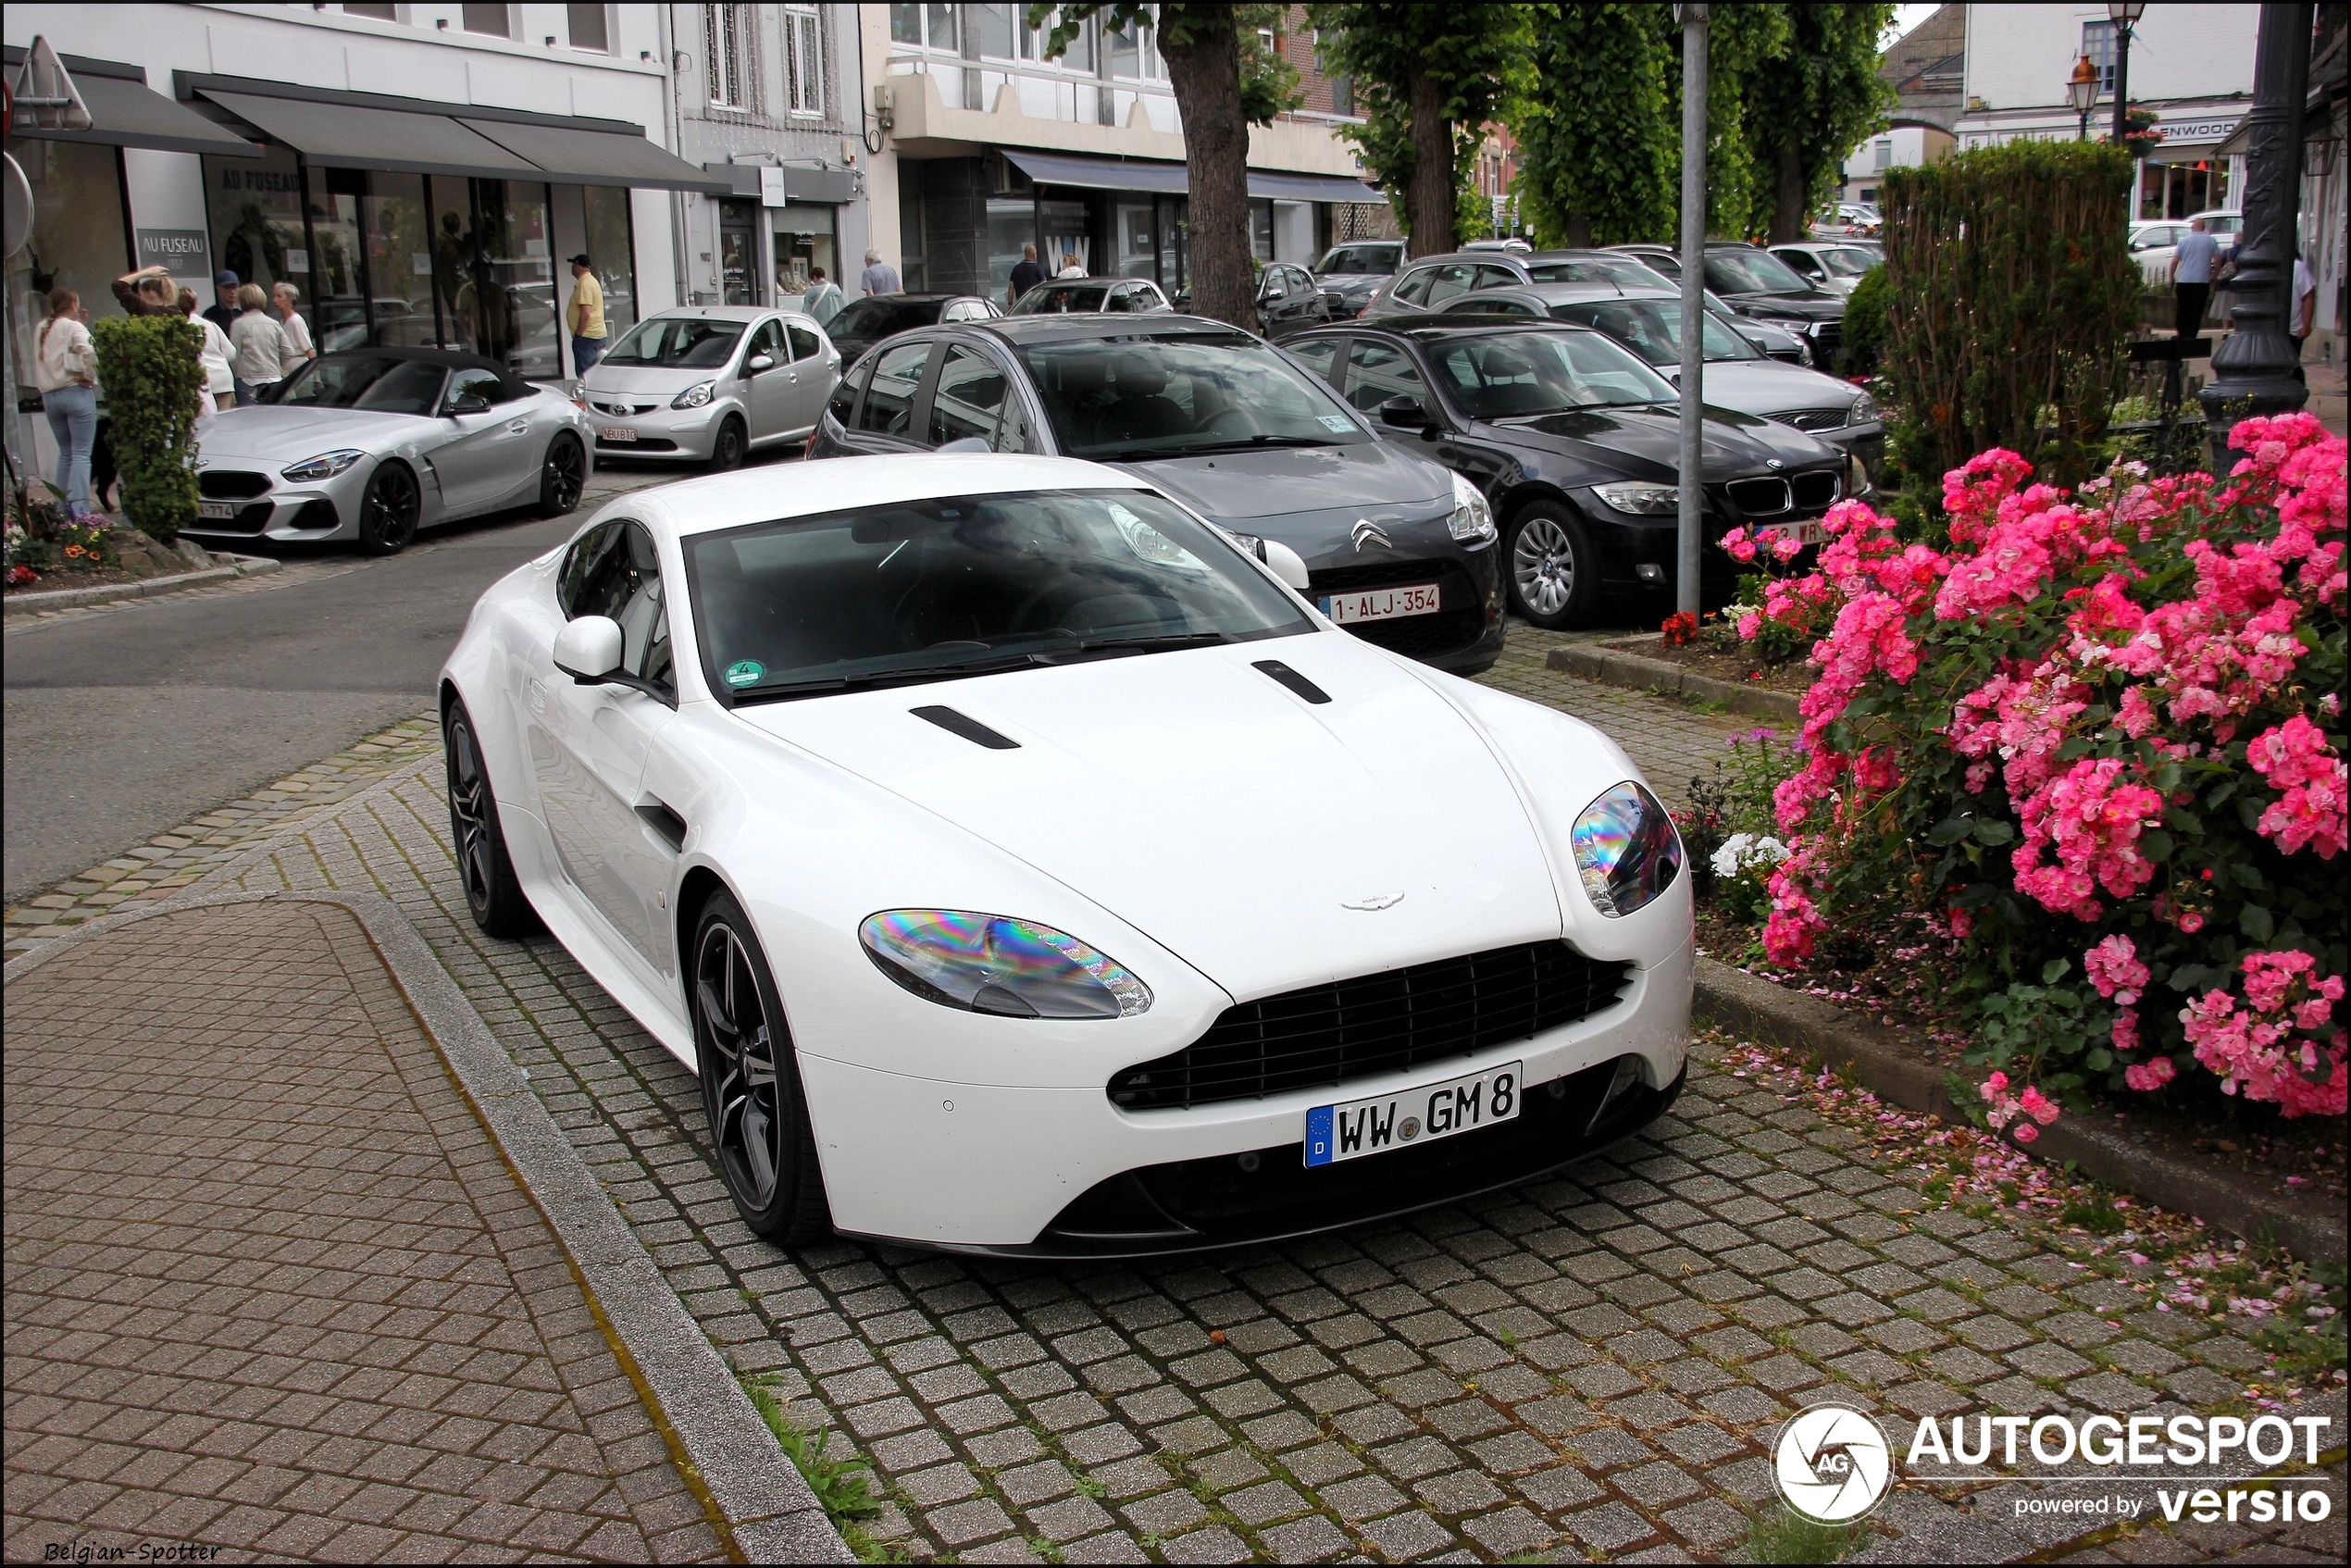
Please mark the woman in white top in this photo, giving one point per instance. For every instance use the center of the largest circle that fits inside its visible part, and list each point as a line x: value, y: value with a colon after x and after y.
x: 283, y: 299
x: 259, y: 344
x: 1071, y: 267
x: 214, y: 356
x: 66, y: 369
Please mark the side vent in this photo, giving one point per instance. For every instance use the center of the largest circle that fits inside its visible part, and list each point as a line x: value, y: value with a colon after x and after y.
x: 968, y: 726
x: 1294, y: 681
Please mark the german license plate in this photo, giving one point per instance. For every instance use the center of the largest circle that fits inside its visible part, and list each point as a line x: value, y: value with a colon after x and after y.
x: 1382, y: 604
x: 1357, y: 1128
x: 1807, y: 532
x: 221, y: 509
x: 617, y: 432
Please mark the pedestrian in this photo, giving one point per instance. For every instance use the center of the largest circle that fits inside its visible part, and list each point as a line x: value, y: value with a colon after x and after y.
x: 259, y: 344
x: 1071, y: 266
x: 222, y: 312
x: 822, y: 301
x: 2192, y: 260
x: 880, y: 277
x: 66, y: 369
x: 214, y: 356
x: 2303, y: 311
x: 1027, y: 275
x: 285, y: 299
x: 585, y: 315
x: 148, y: 292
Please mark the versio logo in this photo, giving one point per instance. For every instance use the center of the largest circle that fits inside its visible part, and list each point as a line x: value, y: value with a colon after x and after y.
x: 1833, y: 1464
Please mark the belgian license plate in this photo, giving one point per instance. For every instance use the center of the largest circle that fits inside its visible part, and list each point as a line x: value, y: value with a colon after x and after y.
x: 617, y: 432
x: 1357, y: 1128
x: 1382, y: 604
x: 1807, y: 532
x: 222, y: 509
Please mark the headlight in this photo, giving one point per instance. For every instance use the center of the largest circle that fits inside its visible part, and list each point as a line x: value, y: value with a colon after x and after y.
x: 326, y: 465
x: 1857, y: 475
x: 1472, y: 519
x: 995, y: 963
x: 1625, y: 850
x: 1643, y: 500
x: 1863, y: 411
x: 695, y: 396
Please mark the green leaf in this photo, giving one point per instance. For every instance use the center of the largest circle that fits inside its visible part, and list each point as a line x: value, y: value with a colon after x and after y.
x: 2186, y: 821
x: 1951, y: 830
x: 2077, y: 747
x: 2054, y: 968
x: 2099, y: 1059
x: 2257, y: 922
x: 1994, y: 832
x: 2156, y: 844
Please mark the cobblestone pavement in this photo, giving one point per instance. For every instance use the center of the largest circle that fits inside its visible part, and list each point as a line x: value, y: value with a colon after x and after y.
x: 273, y: 1288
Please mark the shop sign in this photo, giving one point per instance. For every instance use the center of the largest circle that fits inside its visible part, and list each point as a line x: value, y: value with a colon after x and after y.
x: 771, y: 186
x: 186, y: 251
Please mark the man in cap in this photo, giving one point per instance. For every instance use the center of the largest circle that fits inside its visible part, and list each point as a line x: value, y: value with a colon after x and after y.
x: 224, y: 313
x: 585, y: 315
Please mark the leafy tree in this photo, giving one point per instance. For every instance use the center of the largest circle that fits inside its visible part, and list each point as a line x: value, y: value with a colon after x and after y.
x: 1744, y: 44
x: 1597, y: 136
x: 1385, y: 139
x: 1225, y: 82
x: 1812, y: 102
x: 1430, y: 68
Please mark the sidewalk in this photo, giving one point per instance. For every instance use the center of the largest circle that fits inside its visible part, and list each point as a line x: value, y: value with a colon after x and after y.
x: 271, y: 1286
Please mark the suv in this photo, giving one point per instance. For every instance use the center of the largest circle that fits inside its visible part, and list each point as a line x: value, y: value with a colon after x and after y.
x: 1762, y: 287
x: 1351, y: 273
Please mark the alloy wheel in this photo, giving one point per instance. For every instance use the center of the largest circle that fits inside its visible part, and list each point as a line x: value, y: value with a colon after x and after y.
x: 748, y: 1120
x: 391, y: 508
x: 565, y: 477
x: 469, y: 806
x: 1543, y: 565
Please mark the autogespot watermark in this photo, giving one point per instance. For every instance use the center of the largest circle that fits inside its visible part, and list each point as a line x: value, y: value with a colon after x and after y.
x: 1834, y: 1464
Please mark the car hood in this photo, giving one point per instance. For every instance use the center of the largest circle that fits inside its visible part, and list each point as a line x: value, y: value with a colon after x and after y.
x: 1645, y: 444
x: 268, y: 433
x: 1237, y: 488
x: 1796, y: 308
x: 649, y: 379
x: 1352, y: 285
x: 1208, y: 806
x: 1768, y: 386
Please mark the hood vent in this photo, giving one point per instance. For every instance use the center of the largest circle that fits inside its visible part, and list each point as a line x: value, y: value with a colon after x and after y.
x: 1294, y: 681
x: 968, y: 726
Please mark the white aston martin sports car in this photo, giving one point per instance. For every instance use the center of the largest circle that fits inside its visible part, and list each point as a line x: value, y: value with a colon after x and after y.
x: 1027, y: 868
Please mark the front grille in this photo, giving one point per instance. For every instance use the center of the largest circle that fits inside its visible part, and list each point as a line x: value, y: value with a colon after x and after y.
x: 1815, y: 492
x: 231, y: 484
x: 610, y: 407
x: 1814, y: 419
x: 1459, y: 621
x: 1826, y: 336
x: 643, y: 444
x: 1759, y: 498
x: 1326, y: 1036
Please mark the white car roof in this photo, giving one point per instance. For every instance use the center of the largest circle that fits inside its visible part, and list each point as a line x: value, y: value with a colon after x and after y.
x: 800, y: 489
x: 715, y: 312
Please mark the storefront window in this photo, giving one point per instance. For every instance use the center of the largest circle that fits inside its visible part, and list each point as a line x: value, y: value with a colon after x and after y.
x: 609, y: 246
x: 804, y: 242
x: 1175, y: 228
x: 1260, y: 231
x: 77, y: 239
x: 494, y: 270
x: 399, y: 241
x: 1064, y: 236
x: 1137, y: 257
x: 254, y: 207
x: 337, y: 311
x: 1011, y: 223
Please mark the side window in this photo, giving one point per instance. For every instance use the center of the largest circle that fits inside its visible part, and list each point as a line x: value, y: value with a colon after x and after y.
x: 620, y: 576
x: 888, y: 408
x: 1415, y: 285
x: 1014, y: 436
x: 1448, y: 280
x: 1804, y: 262
x: 844, y: 401
x: 1321, y: 354
x: 1377, y: 371
x: 805, y: 344
x: 1668, y: 265
x: 1496, y: 278
x: 488, y: 385
x: 966, y: 310
x: 969, y: 396
x: 768, y: 339
x: 581, y: 564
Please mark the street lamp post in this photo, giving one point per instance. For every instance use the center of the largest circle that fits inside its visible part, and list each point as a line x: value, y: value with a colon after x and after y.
x: 2084, y: 90
x: 1692, y: 509
x: 2253, y: 370
x: 2123, y: 13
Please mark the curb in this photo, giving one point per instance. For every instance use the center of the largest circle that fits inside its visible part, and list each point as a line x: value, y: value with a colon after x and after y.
x: 1875, y: 1054
x: 1616, y: 666
x: 764, y: 1505
x: 24, y: 607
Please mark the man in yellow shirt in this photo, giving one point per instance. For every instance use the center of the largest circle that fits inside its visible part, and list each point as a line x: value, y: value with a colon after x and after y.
x: 585, y: 315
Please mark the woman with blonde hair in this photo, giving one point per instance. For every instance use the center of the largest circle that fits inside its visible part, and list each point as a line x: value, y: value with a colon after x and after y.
x: 214, y: 356
x: 66, y: 369
x: 259, y: 346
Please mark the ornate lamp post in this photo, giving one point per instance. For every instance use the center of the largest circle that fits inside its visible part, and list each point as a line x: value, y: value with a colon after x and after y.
x: 2084, y: 90
x: 2123, y: 13
x: 2253, y: 372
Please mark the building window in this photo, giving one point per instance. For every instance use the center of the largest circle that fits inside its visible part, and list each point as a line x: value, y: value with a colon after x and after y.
x: 2098, y: 43
x: 590, y: 29
x: 803, y: 60
x: 726, y: 46
x: 1134, y: 55
x: 925, y: 26
x: 1342, y: 95
x: 491, y: 21
x: 380, y: 13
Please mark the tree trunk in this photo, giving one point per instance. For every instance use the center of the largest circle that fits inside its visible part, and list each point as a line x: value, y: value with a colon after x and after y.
x: 1431, y: 193
x: 1204, y: 70
x: 1579, y: 231
x: 1788, y: 216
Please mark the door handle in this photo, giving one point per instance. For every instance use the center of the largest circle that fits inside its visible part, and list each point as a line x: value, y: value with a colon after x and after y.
x: 519, y: 427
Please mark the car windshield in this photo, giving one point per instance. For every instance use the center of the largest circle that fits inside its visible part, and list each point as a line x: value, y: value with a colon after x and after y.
x: 1522, y: 375
x: 935, y: 589
x: 880, y: 317
x: 358, y: 381
x: 678, y: 342
x: 1652, y: 329
x: 1056, y: 299
x: 1752, y: 272
x: 1142, y: 398
x: 1377, y: 260
x: 1587, y: 269
x: 1845, y: 262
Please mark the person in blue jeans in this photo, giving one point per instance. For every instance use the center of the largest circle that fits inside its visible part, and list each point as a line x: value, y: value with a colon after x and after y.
x: 66, y: 369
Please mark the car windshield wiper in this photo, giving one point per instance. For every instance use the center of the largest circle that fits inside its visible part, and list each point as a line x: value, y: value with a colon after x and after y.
x: 1059, y: 651
x: 1248, y: 443
x: 781, y: 690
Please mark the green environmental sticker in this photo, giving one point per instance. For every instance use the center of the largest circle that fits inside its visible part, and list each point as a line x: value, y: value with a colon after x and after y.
x: 745, y: 672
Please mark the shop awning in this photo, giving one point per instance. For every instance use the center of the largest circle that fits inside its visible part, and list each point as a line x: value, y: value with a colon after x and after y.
x: 596, y: 157
x: 1170, y: 179
x: 126, y: 112
x: 355, y: 136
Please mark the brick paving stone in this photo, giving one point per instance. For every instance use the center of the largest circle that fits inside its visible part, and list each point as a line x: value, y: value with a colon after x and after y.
x: 280, y: 1088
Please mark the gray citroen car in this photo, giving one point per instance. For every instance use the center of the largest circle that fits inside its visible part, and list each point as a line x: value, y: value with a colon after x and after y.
x: 1397, y: 548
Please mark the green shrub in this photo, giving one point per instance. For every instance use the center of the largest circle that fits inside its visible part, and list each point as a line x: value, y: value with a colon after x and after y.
x: 152, y: 377
x: 1865, y: 324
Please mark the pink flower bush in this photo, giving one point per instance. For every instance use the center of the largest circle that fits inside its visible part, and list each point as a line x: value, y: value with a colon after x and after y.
x: 2117, y: 706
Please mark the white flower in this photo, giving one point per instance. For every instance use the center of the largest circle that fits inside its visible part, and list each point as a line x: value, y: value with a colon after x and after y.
x: 1743, y: 850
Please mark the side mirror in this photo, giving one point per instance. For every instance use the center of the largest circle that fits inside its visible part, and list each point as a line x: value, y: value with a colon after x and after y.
x: 469, y: 405
x: 757, y: 363
x: 1287, y: 564
x: 587, y: 649
x: 1405, y: 413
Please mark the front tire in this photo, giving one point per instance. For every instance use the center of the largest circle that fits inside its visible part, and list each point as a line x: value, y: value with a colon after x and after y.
x: 750, y: 1087
x: 493, y: 894
x: 563, y: 475
x: 388, y: 512
x: 1554, y: 576
x: 728, y: 447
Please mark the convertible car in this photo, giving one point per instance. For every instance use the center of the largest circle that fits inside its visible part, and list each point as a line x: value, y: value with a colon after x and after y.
x: 1027, y: 868
x: 374, y: 445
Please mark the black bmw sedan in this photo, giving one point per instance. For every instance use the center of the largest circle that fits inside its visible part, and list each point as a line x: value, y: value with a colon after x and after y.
x: 1574, y: 441
x: 1398, y: 550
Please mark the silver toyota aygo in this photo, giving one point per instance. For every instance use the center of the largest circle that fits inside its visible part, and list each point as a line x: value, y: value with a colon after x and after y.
x: 710, y: 384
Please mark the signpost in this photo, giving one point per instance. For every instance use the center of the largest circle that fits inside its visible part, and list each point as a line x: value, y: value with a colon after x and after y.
x: 1693, y: 496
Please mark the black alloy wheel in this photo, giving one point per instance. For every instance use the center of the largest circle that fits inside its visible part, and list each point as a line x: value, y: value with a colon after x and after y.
x: 751, y: 1083
x: 726, y: 451
x: 1555, y: 581
x: 563, y: 475
x: 388, y: 512
x: 493, y: 894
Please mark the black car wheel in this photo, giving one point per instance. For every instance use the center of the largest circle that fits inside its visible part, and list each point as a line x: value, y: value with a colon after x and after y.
x: 1554, y: 580
x: 493, y: 894
x: 388, y: 512
x: 563, y: 475
x: 726, y: 451
x: 751, y: 1083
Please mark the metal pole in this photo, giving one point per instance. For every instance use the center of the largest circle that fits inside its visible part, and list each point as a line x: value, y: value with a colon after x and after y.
x: 2122, y: 92
x: 2253, y: 370
x: 1693, y: 389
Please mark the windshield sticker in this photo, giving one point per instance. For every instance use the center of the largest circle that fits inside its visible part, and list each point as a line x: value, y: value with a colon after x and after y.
x: 1339, y: 422
x: 745, y: 672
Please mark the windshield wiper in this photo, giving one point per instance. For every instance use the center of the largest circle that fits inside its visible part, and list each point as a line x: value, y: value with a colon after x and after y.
x: 781, y: 690
x: 1057, y: 652
x: 1249, y: 443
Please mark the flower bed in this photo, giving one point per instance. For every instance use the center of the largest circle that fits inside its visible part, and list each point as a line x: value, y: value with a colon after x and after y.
x: 2086, y: 762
